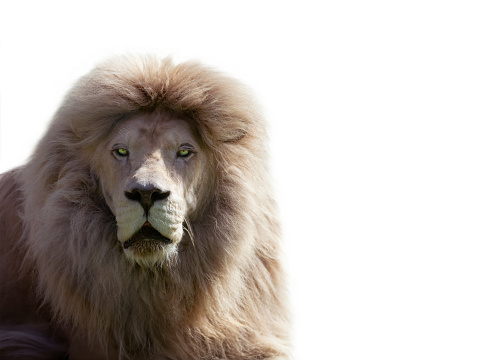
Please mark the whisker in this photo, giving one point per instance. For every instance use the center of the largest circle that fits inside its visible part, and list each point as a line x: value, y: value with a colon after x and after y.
x: 187, y: 228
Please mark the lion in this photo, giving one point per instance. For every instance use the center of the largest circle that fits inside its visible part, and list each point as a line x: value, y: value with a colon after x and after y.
x: 144, y: 225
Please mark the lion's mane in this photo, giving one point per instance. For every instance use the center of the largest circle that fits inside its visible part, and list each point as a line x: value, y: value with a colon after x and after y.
x: 223, y: 296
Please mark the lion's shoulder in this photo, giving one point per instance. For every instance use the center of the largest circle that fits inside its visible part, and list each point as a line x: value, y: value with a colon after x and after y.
x: 16, y: 295
x: 10, y: 207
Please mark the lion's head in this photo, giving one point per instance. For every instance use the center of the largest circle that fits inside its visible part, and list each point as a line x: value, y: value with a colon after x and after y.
x: 148, y: 215
x: 154, y: 172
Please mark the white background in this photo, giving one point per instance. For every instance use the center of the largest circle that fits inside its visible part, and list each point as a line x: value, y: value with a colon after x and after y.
x: 373, y: 108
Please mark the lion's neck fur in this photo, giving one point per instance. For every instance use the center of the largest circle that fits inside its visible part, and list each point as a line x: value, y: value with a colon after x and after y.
x: 90, y: 285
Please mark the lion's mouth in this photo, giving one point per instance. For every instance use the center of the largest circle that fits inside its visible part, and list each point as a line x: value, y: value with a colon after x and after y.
x: 146, y: 233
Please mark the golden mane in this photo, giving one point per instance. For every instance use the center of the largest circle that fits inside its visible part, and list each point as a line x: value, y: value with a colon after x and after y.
x: 223, y: 297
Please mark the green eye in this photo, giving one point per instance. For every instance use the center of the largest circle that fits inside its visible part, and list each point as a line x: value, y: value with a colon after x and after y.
x: 184, y: 153
x: 122, y: 152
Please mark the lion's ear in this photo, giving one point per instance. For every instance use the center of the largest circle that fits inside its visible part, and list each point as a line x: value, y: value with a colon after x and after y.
x: 228, y: 128
x: 236, y: 134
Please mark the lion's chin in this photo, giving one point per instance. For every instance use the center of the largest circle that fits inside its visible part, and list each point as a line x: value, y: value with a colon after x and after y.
x: 150, y: 253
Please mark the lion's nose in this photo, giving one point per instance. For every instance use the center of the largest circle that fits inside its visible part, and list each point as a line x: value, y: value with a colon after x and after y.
x: 146, y: 196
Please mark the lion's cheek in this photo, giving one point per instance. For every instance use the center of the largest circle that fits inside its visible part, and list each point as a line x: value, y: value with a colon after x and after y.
x: 196, y: 197
x: 109, y: 201
x: 112, y: 196
x: 191, y: 202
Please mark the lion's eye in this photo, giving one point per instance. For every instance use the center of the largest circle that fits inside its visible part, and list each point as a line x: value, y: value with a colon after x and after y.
x: 122, y: 152
x: 184, y: 153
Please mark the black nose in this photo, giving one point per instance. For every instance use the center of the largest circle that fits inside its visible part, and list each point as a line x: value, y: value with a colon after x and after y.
x: 147, y: 196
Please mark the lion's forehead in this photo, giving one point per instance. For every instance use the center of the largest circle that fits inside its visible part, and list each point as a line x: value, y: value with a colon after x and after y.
x: 156, y: 130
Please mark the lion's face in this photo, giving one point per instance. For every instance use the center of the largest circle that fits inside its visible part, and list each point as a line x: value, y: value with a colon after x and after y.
x: 153, y: 173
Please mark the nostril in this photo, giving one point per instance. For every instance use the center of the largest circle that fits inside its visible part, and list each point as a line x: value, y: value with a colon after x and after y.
x: 159, y: 195
x: 134, y: 195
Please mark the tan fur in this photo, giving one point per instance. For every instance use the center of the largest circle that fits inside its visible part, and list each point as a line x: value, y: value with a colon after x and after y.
x: 221, y: 293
